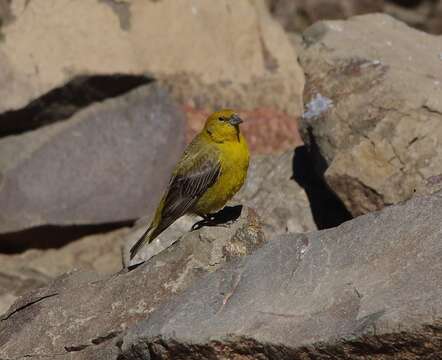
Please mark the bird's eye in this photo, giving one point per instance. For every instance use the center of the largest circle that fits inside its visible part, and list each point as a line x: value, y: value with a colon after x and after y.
x: 222, y: 118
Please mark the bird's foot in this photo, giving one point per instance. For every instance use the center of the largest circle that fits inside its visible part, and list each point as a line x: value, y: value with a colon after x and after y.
x: 225, y: 218
x: 208, y: 220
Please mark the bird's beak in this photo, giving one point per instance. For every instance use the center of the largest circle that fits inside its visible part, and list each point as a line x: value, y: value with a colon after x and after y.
x: 235, y: 120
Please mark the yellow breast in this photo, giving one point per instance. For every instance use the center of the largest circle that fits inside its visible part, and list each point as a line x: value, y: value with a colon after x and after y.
x: 234, y: 160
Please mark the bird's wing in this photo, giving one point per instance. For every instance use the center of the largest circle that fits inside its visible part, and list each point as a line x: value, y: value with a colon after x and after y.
x: 194, y: 175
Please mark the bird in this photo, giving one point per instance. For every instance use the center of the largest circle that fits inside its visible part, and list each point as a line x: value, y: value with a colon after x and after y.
x: 210, y: 172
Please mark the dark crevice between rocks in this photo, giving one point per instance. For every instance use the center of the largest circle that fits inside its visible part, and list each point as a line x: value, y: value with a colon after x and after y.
x: 327, y: 209
x: 63, y: 102
x: 53, y: 236
x: 6, y: 317
x: 406, y: 3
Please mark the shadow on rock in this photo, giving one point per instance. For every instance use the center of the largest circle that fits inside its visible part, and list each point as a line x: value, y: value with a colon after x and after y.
x: 52, y: 236
x: 226, y: 215
x: 327, y: 210
x: 61, y: 103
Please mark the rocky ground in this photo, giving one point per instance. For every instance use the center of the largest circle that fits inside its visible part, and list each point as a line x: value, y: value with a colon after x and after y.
x: 334, y: 251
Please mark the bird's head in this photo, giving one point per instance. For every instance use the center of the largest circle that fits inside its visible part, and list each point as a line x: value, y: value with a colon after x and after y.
x: 223, y: 126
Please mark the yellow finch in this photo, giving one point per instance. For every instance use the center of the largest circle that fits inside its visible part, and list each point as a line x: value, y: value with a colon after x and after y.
x: 212, y: 169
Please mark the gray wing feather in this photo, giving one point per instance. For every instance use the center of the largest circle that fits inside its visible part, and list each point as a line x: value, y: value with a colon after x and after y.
x: 186, y: 189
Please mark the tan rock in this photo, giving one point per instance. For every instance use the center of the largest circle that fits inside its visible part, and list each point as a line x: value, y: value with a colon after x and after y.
x: 226, y: 53
x: 374, y: 109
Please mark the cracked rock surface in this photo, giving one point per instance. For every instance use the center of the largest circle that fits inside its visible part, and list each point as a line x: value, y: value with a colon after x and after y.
x: 374, y: 112
x: 369, y: 288
x: 84, y: 310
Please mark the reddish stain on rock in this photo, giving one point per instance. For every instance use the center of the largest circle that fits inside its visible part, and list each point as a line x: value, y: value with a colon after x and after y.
x: 267, y: 130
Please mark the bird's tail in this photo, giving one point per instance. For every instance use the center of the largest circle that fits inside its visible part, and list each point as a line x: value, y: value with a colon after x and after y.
x: 145, y: 239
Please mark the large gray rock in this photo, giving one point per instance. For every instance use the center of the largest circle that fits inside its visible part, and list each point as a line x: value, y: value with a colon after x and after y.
x: 80, y: 311
x: 108, y: 163
x: 374, y: 108
x: 369, y: 288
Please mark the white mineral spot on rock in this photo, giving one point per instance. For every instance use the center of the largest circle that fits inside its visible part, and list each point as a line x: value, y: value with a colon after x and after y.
x: 372, y: 63
x: 317, y: 106
x: 335, y: 27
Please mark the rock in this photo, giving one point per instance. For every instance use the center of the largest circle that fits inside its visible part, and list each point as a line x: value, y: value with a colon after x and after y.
x: 296, y: 15
x: 83, y: 311
x: 369, y: 288
x: 281, y: 204
x: 366, y: 289
x: 21, y: 273
x: 106, y: 164
x: 430, y: 186
x: 374, y: 108
x: 171, y: 235
x: 229, y: 53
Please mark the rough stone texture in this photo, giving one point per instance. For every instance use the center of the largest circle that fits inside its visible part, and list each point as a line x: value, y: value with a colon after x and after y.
x: 82, y: 310
x: 374, y: 112
x: 271, y: 189
x: 229, y: 53
x: 171, y: 235
x: 267, y: 131
x: 281, y: 203
x: 430, y: 186
x: 368, y: 289
x: 20, y: 273
x: 296, y: 15
x: 107, y: 163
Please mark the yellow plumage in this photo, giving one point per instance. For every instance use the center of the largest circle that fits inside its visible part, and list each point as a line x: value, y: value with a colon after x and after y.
x: 213, y: 168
